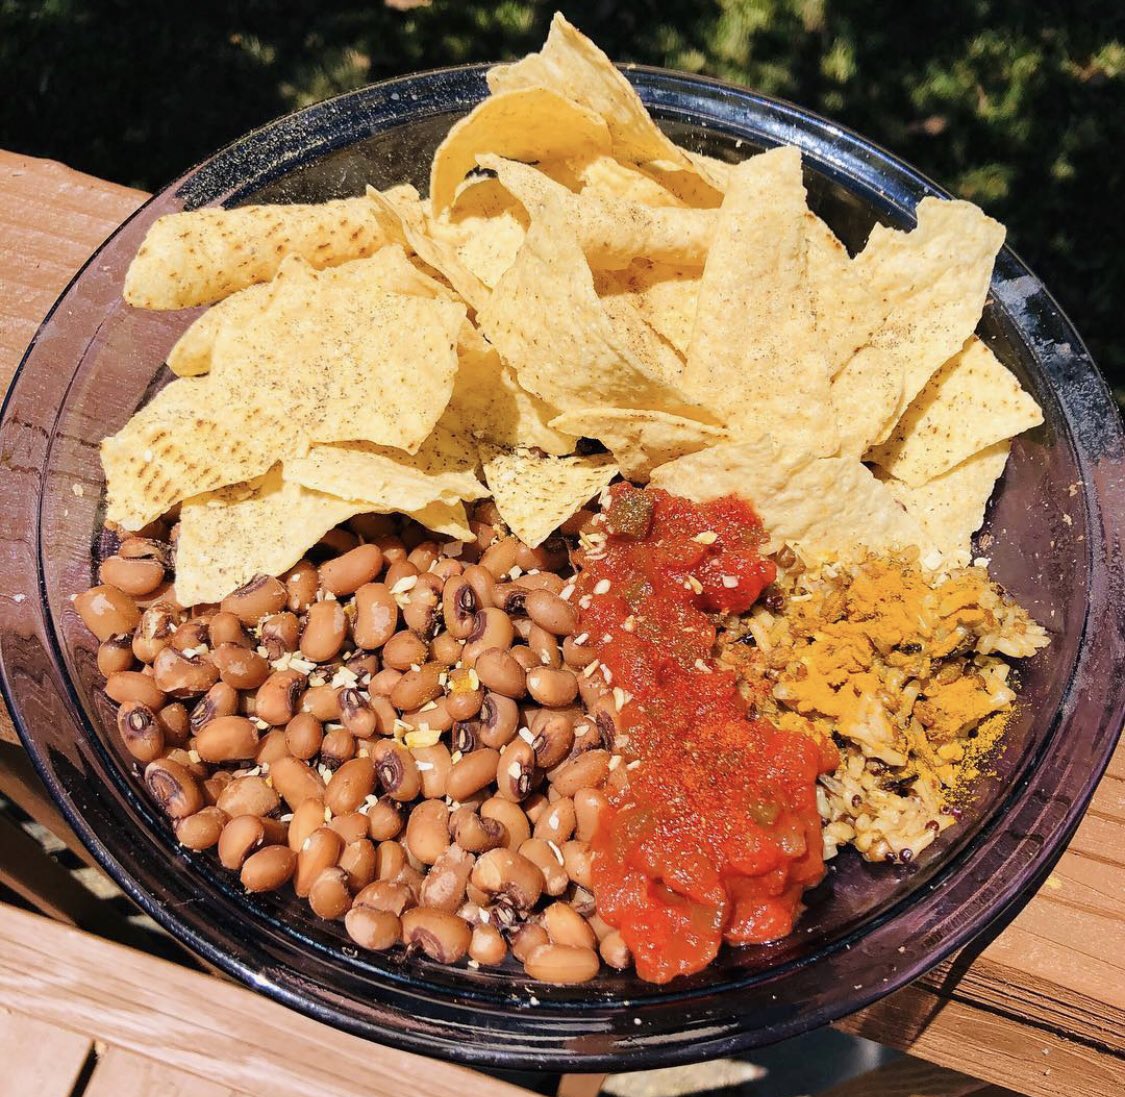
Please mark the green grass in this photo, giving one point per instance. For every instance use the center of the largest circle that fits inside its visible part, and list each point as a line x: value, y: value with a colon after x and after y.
x: 1017, y: 106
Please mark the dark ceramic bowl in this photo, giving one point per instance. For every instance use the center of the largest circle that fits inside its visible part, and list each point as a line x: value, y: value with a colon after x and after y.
x: 1055, y: 543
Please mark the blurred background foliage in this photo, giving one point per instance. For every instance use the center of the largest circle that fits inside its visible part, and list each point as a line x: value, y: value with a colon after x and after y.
x: 1017, y: 105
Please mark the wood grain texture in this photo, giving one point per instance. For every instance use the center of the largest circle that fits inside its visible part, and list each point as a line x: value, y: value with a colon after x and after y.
x: 201, y: 1025
x: 908, y: 1077
x: 120, y: 1073
x: 1059, y: 967
x: 39, y: 1059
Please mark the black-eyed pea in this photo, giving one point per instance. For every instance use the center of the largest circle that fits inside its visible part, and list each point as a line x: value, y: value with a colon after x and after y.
x: 376, y: 616
x: 303, y: 736
x: 396, y: 769
x: 545, y: 646
x: 499, y: 672
x: 441, y: 936
x: 444, y: 885
x: 240, y: 837
x: 227, y: 739
x: 507, y: 874
x: 268, y: 869
x: 197, y: 768
x: 337, y: 747
x: 552, y: 734
x: 483, y: 583
x: 499, y: 558
x: 140, y: 731
x: 301, y: 584
x: 213, y: 786
x: 498, y: 721
x: 114, y: 654
x: 174, y: 787
x: 337, y: 542
x: 384, y: 682
x: 434, y: 764
x: 323, y: 702
x: 176, y: 723
x: 280, y: 634
x: 586, y: 770
x: 424, y: 555
x: 328, y: 896
x: 403, y: 651
x: 577, y: 655
x: 548, y: 858
x: 249, y: 796
x: 373, y: 527
x: 200, y: 831
x: 552, y: 688
x: 356, y: 713
x: 307, y: 819
x: 240, y: 667
x: 179, y: 675
x: 279, y: 697
x: 460, y: 604
x: 565, y: 926
x: 492, y: 628
x: 350, y: 785
x: 135, y: 576
x: 526, y: 938
x: 388, y: 895
x: 261, y: 597
x: 418, y: 687
x: 320, y: 850
x: 515, y: 770
x: 220, y: 700
x: 420, y: 604
x: 225, y: 628
x: 562, y: 965
x: 445, y: 649
x: 364, y: 665
x: 360, y: 861
x: 296, y: 781
x: 526, y: 658
x: 535, y: 806
x: 271, y: 747
x: 351, y: 827
x: 326, y: 629
x: 347, y: 573
x: 551, y: 613
x: 590, y: 810
x: 427, y: 831
x: 615, y: 952
x: 126, y: 686
x: 400, y: 576
x: 390, y: 859
x: 557, y: 823
x: 578, y: 860
x: 392, y: 547
x: 473, y: 833
x: 487, y: 945
x: 107, y: 611
x: 517, y: 828
x: 471, y: 773
x: 385, y: 819
x: 372, y: 929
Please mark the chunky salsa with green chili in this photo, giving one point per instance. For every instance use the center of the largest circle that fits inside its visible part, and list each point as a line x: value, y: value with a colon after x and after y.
x: 715, y: 835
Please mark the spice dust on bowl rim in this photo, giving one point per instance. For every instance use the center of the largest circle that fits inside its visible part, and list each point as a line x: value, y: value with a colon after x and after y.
x: 1053, y: 526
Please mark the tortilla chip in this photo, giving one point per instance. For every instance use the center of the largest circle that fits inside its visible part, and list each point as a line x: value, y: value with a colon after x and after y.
x: 755, y: 357
x: 192, y: 437
x: 489, y: 405
x: 196, y: 258
x: 935, y: 280
x: 547, y: 323
x: 613, y: 231
x: 442, y: 471
x: 531, y: 124
x: 446, y: 519
x: 486, y: 225
x: 413, y: 229
x: 640, y: 440
x: 606, y: 177
x: 826, y: 508
x: 665, y: 295
x: 535, y: 494
x: 688, y: 185
x: 389, y: 268
x: 972, y: 402
x: 344, y: 360
x: 950, y: 508
x: 229, y: 536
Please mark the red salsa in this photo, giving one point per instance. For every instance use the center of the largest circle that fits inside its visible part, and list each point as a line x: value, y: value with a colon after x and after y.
x: 715, y: 834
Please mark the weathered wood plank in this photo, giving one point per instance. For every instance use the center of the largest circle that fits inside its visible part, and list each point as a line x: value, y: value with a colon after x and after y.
x: 39, y: 1059
x: 201, y: 1025
x: 120, y: 1073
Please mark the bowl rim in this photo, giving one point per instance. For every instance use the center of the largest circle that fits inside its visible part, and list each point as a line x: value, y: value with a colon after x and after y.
x: 1075, y: 393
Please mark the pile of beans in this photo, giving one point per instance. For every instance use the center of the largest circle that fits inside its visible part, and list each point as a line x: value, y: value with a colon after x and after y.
x: 411, y: 734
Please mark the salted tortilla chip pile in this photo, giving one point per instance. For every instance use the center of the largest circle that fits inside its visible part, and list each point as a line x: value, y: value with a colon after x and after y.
x: 573, y: 274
